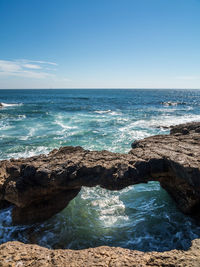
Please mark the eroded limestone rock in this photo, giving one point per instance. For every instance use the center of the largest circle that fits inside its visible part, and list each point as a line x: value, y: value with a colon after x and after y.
x: 48, y: 182
x: 19, y: 254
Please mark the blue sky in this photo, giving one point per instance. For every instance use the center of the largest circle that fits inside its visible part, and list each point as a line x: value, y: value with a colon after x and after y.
x: 99, y: 43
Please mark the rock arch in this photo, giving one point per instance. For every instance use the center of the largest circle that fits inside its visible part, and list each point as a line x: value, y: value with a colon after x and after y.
x: 43, y: 185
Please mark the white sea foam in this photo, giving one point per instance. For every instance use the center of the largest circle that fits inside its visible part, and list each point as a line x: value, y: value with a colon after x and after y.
x: 172, y: 120
x: 27, y: 152
x: 110, y: 208
x: 114, y: 113
x: 24, y: 137
x: 164, y: 120
x: 11, y: 104
x: 5, y: 127
x: 110, y: 112
x: 31, y: 133
x: 102, y: 111
x: 64, y: 126
x: 60, y: 121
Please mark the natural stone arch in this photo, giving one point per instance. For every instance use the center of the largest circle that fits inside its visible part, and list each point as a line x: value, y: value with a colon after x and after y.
x: 43, y: 185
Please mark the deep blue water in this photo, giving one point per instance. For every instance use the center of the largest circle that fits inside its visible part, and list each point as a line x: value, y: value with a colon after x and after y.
x: 139, y: 217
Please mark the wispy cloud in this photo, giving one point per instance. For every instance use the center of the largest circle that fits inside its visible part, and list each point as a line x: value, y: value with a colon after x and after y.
x: 32, y: 66
x: 27, y: 68
x: 37, y: 61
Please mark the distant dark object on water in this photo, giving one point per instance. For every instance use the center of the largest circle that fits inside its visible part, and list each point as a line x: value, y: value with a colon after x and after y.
x: 1, y: 105
x: 169, y: 103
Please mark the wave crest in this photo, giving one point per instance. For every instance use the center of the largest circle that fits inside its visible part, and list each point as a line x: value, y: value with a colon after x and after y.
x: 10, y: 104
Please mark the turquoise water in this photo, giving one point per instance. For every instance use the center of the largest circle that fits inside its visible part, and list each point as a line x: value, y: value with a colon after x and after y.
x: 139, y: 217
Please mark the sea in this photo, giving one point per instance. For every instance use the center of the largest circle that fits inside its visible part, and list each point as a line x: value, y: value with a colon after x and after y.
x: 141, y: 217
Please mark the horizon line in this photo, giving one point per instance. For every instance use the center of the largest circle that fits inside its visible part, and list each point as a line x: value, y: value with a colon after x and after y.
x: 104, y: 88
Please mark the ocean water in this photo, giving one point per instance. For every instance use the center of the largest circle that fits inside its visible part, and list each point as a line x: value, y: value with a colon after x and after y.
x: 141, y: 217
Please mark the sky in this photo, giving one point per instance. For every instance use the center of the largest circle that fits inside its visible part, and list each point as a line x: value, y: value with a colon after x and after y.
x: 99, y: 44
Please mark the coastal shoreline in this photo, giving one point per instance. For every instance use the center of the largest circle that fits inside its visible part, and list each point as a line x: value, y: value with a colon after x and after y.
x: 19, y: 254
x: 173, y: 160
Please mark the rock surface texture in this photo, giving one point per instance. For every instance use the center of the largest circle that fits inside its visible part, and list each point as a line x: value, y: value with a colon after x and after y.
x: 40, y: 186
x: 17, y: 254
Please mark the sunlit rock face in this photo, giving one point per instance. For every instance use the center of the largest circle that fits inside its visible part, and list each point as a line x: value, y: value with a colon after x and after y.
x: 19, y: 254
x: 43, y: 185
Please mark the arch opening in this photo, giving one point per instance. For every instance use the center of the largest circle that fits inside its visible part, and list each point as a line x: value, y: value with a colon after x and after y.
x: 140, y: 217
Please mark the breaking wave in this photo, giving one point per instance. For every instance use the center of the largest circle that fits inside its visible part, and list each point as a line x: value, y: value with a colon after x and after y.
x: 11, y: 104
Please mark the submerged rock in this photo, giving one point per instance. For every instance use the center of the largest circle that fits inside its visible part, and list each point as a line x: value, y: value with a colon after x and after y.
x: 43, y: 185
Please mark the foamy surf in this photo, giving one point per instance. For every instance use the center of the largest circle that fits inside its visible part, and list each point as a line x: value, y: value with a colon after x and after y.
x: 10, y: 104
x: 110, y: 112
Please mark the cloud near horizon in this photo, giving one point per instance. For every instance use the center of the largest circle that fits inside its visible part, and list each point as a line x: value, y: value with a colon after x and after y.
x: 27, y: 68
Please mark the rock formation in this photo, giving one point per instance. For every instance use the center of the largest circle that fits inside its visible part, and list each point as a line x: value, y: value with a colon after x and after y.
x: 21, y: 255
x: 1, y: 105
x: 40, y: 186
